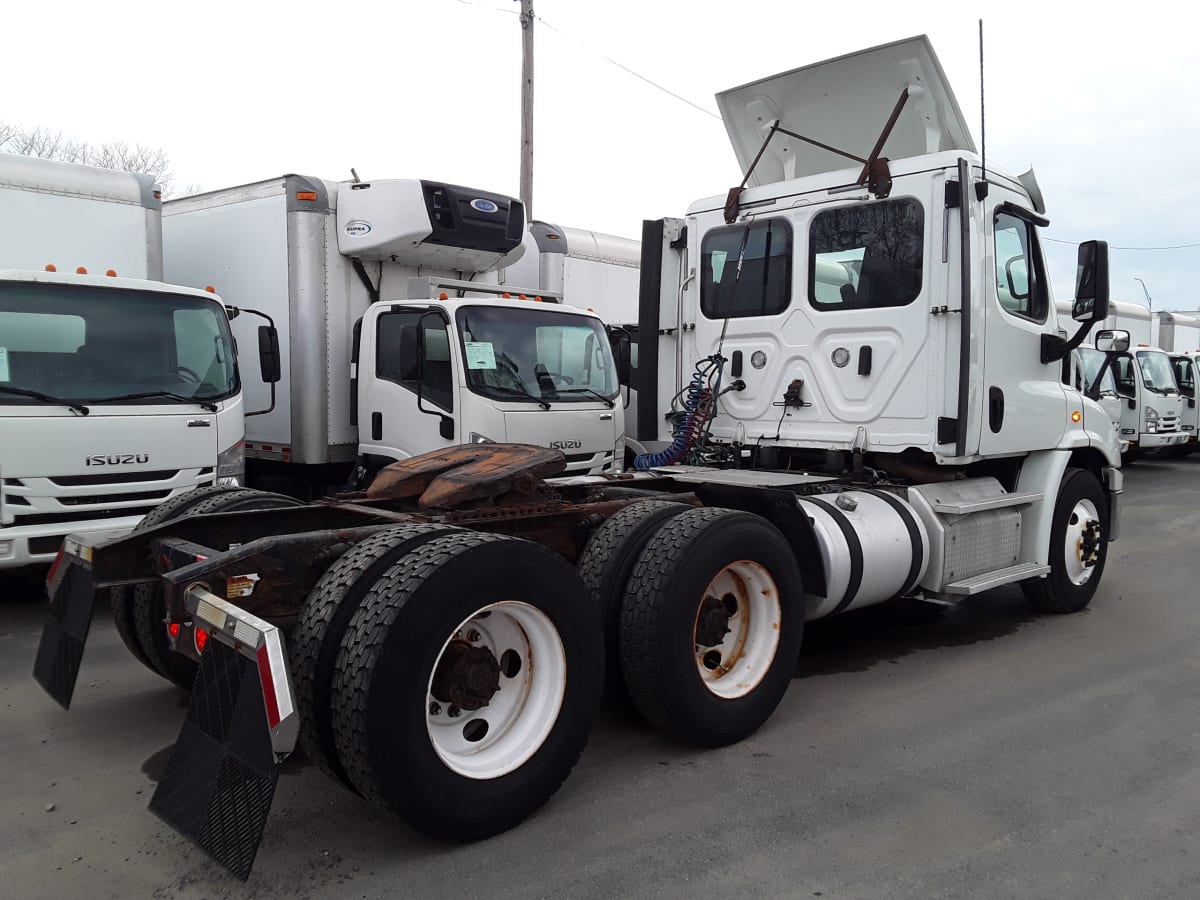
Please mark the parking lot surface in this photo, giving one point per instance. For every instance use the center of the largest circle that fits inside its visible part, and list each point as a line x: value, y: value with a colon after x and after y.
x: 995, y: 753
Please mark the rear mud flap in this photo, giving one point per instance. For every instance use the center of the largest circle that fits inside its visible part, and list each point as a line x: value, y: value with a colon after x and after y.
x: 68, y: 621
x: 220, y: 781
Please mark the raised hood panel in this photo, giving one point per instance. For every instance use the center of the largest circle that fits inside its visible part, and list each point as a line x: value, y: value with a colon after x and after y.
x: 845, y: 103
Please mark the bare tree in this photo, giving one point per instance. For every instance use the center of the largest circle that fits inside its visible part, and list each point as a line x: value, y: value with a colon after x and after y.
x: 46, y: 144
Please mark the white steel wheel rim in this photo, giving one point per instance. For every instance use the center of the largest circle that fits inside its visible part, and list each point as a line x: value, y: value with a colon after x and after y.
x: 1083, y: 516
x: 521, y: 714
x: 748, y: 649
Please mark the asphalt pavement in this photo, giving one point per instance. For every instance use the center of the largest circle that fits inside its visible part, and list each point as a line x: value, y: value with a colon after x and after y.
x: 994, y: 754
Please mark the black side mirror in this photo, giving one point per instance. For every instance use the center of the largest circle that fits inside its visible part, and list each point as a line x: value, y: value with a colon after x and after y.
x: 268, y: 354
x: 1091, y: 282
x: 621, y: 342
x: 1115, y: 341
x: 445, y: 423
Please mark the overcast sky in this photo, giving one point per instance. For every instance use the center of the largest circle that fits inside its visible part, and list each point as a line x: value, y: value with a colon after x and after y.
x: 1102, y: 105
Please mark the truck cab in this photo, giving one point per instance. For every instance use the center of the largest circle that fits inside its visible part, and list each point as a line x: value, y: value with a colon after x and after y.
x: 1152, y: 415
x: 1184, y: 365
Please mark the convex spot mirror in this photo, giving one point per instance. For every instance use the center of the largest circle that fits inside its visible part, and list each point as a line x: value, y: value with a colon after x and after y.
x: 1091, y: 282
x: 1112, y: 341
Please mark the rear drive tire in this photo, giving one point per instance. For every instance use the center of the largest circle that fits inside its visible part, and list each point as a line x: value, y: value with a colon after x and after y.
x: 419, y: 724
x: 149, y: 607
x: 711, y: 625
x: 607, y: 562
x: 322, y: 624
x: 1078, y: 546
x: 121, y: 597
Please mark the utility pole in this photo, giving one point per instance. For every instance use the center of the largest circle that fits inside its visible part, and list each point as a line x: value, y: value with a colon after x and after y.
x: 1149, y: 302
x: 527, y: 106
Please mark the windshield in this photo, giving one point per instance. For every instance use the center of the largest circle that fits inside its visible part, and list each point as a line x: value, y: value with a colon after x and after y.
x: 87, y: 344
x: 1156, y: 371
x: 536, y: 355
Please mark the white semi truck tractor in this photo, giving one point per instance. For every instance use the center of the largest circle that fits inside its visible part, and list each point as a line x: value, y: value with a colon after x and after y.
x: 851, y: 375
x: 117, y: 391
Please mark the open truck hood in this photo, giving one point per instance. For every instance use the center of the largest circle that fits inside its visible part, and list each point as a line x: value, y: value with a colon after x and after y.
x: 845, y: 103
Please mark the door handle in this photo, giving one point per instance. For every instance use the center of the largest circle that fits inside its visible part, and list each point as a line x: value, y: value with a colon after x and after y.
x: 864, y: 360
x: 995, y: 409
x: 377, y: 426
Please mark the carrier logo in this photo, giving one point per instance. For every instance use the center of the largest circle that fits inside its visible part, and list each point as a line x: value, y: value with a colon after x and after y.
x: 484, y: 206
x: 116, y: 459
x: 357, y: 228
x: 569, y: 444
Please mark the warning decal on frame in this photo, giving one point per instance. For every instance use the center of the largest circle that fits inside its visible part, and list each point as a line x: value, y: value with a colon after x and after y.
x: 480, y: 355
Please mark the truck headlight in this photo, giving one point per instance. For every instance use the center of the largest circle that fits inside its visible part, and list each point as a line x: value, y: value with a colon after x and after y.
x: 1151, y: 414
x: 476, y: 438
x: 231, y: 465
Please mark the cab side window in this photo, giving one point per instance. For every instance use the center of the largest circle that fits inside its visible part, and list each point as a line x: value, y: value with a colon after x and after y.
x: 396, y: 355
x: 1185, y: 376
x: 1126, y: 383
x: 1020, y: 275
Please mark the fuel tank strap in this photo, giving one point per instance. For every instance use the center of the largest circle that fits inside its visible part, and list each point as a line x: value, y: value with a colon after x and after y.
x: 853, y: 546
x: 909, y: 518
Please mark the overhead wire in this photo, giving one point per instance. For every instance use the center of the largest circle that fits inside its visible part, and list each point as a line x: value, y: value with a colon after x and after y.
x: 1111, y: 247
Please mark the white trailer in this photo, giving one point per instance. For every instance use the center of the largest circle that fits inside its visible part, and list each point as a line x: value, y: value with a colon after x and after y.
x: 374, y: 284
x: 1176, y: 332
x: 117, y: 391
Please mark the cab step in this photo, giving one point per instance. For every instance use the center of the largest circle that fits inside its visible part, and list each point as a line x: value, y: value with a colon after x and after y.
x: 967, y: 507
x: 988, y: 580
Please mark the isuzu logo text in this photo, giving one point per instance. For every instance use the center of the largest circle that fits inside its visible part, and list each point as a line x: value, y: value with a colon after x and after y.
x: 116, y: 459
x: 566, y: 445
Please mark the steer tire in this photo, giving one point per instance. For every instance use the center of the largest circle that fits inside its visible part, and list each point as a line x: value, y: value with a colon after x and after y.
x: 121, y: 597
x: 660, y: 616
x: 382, y: 688
x: 605, y: 565
x: 322, y: 624
x: 149, y: 607
x: 1056, y: 592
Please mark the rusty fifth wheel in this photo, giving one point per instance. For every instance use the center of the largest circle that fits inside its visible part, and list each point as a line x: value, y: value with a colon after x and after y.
x: 711, y: 625
x: 466, y: 684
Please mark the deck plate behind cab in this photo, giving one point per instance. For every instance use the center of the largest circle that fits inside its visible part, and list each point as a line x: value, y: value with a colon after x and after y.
x: 740, y: 477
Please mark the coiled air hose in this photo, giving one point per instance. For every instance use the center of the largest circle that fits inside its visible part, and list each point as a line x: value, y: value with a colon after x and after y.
x: 699, y: 406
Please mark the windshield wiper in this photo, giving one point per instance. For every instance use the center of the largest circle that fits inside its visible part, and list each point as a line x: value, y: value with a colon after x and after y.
x: 166, y: 395
x: 517, y: 392
x: 46, y: 398
x: 582, y: 390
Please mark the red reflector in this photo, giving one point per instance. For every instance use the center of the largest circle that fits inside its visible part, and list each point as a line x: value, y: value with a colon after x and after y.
x: 54, y: 565
x: 201, y: 640
x: 173, y: 630
x: 268, y: 686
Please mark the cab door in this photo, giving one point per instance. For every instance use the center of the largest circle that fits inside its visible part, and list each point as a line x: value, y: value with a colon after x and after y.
x: 407, y: 392
x: 1024, y: 406
x: 1185, y: 377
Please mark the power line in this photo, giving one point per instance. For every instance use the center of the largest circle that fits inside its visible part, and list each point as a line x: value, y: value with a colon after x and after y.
x: 1171, y: 247
x: 626, y: 68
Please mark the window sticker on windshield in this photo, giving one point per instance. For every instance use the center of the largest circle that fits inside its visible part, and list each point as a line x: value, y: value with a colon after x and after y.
x: 4, y: 364
x: 480, y: 355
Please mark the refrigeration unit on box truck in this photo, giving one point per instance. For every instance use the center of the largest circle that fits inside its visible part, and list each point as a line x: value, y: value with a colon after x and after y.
x: 392, y: 342
x: 117, y: 391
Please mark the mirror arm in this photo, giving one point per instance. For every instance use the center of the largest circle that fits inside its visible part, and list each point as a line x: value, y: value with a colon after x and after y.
x: 443, y: 419
x: 233, y: 312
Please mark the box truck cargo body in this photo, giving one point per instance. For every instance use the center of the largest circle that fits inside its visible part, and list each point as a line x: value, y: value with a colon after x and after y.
x: 369, y: 282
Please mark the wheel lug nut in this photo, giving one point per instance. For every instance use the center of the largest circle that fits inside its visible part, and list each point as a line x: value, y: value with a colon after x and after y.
x: 435, y: 709
x: 473, y: 636
x: 453, y: 712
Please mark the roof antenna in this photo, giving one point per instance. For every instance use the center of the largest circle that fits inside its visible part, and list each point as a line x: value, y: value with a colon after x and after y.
x: 358, y: 180
x: 981, y: 187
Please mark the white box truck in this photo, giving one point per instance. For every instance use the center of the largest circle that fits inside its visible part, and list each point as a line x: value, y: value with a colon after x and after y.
x: 117, y: 391
x: 392, y: 341
x: 902, y: 431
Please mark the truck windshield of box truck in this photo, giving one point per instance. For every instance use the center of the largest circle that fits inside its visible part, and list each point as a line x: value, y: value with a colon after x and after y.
x: 92, y: 345
x: 1156, y: 372
x: 536, y: 356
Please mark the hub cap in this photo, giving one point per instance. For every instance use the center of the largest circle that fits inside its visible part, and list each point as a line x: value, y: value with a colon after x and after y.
x: 1083, y: 542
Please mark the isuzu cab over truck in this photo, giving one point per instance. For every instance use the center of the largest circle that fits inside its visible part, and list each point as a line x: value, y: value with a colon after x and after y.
x: 117, y: 391
x: 866, y: 376
x: 389, y: 347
